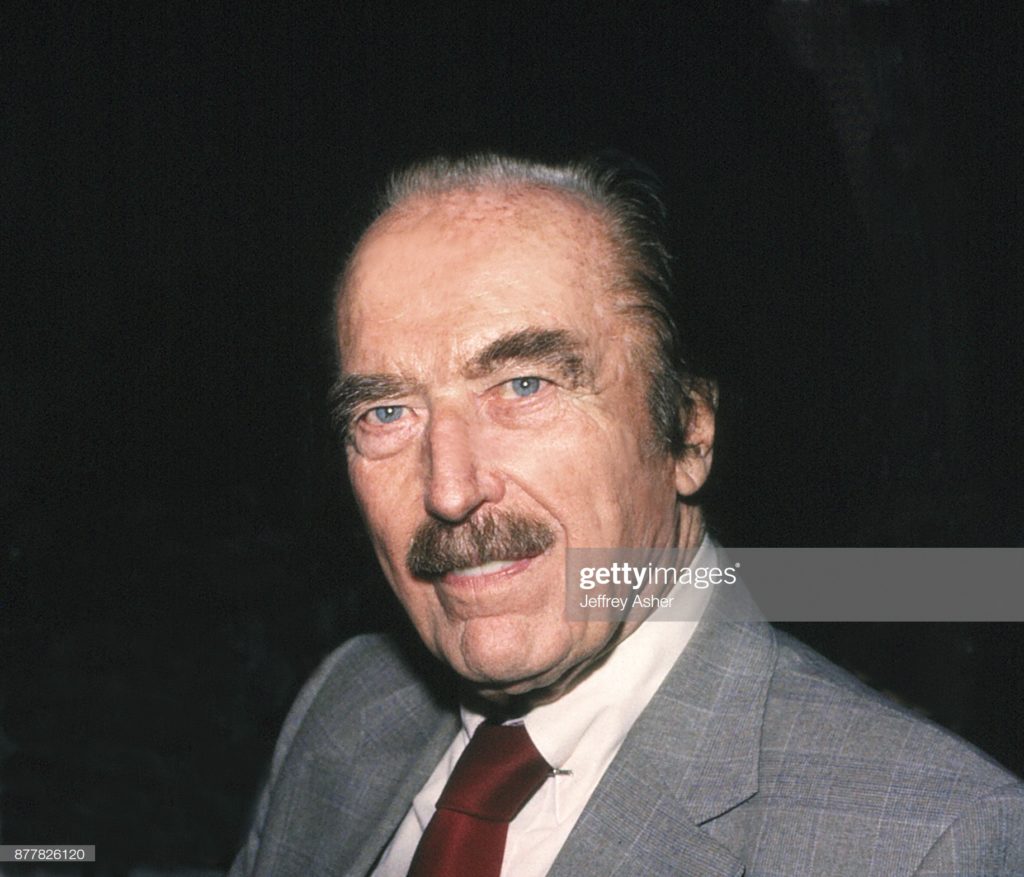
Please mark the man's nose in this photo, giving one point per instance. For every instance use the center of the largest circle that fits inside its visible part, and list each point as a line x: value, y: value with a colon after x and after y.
x: 460, y: 479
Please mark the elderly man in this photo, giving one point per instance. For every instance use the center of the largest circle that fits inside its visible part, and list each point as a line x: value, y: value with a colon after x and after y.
x: 511, y: 389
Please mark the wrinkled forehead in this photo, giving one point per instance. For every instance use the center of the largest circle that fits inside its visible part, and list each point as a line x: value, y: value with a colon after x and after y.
x: 430, y: 234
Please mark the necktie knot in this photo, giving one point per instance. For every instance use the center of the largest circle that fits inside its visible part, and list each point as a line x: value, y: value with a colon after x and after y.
x: 497, y: 774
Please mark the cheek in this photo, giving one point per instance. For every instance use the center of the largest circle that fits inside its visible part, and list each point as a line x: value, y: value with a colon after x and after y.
x: 386, y: 500
x: 588, y: 467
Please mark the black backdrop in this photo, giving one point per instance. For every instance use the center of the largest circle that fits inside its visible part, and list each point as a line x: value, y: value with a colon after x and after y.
x: 180, y: 183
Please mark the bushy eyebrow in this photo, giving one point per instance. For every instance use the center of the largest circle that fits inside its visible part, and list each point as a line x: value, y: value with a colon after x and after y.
x: 351, y: 391
x: 555, y: 348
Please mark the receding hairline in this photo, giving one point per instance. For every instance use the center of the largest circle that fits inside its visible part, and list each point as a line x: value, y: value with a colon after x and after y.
x: 513, y: 198
x: 511, y: 194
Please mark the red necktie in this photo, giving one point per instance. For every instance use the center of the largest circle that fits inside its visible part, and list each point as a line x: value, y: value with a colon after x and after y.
x: 496, y: 775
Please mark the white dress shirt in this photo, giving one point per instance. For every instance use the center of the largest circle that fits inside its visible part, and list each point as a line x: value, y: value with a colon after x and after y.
x: 581, y: 733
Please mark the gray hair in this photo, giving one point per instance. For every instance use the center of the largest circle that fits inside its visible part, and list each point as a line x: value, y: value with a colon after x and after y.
x: 626, y: 198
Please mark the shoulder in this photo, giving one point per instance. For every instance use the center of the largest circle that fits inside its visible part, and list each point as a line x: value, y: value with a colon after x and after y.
x: 367, y: 700
x: 352, y: 682
x: 819, y: 708
x: 359, y: 670
x: 834, y: 747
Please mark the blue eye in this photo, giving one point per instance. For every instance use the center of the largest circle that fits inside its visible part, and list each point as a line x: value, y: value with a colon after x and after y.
x: 525, y: 386
x: 387, y: 413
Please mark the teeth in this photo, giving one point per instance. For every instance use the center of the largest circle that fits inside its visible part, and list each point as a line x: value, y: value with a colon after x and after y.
x: 486, y: 569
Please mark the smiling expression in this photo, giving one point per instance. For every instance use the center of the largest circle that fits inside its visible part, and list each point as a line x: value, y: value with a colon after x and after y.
x: 496, y: 416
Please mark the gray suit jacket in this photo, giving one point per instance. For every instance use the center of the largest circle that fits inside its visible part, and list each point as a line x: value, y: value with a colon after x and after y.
x: 756, y: 757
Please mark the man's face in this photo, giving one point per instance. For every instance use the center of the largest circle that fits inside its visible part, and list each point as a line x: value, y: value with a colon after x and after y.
x: 498, y: 417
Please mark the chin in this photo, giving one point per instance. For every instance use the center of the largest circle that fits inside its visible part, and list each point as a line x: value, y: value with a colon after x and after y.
x: 530, y: 689
x: 503, y: 661
x: 503, y: 672
x: 512, y: 666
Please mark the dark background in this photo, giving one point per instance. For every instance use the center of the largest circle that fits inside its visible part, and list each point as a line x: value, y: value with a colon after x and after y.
x: 180, y: 184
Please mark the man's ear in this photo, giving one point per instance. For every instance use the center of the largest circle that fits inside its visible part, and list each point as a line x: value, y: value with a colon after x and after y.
x: 694, y: 463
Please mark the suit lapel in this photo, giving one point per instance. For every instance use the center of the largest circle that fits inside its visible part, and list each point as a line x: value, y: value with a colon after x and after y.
x: 393, y: 761
x: 691, y: 756
x: 351, y: 784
